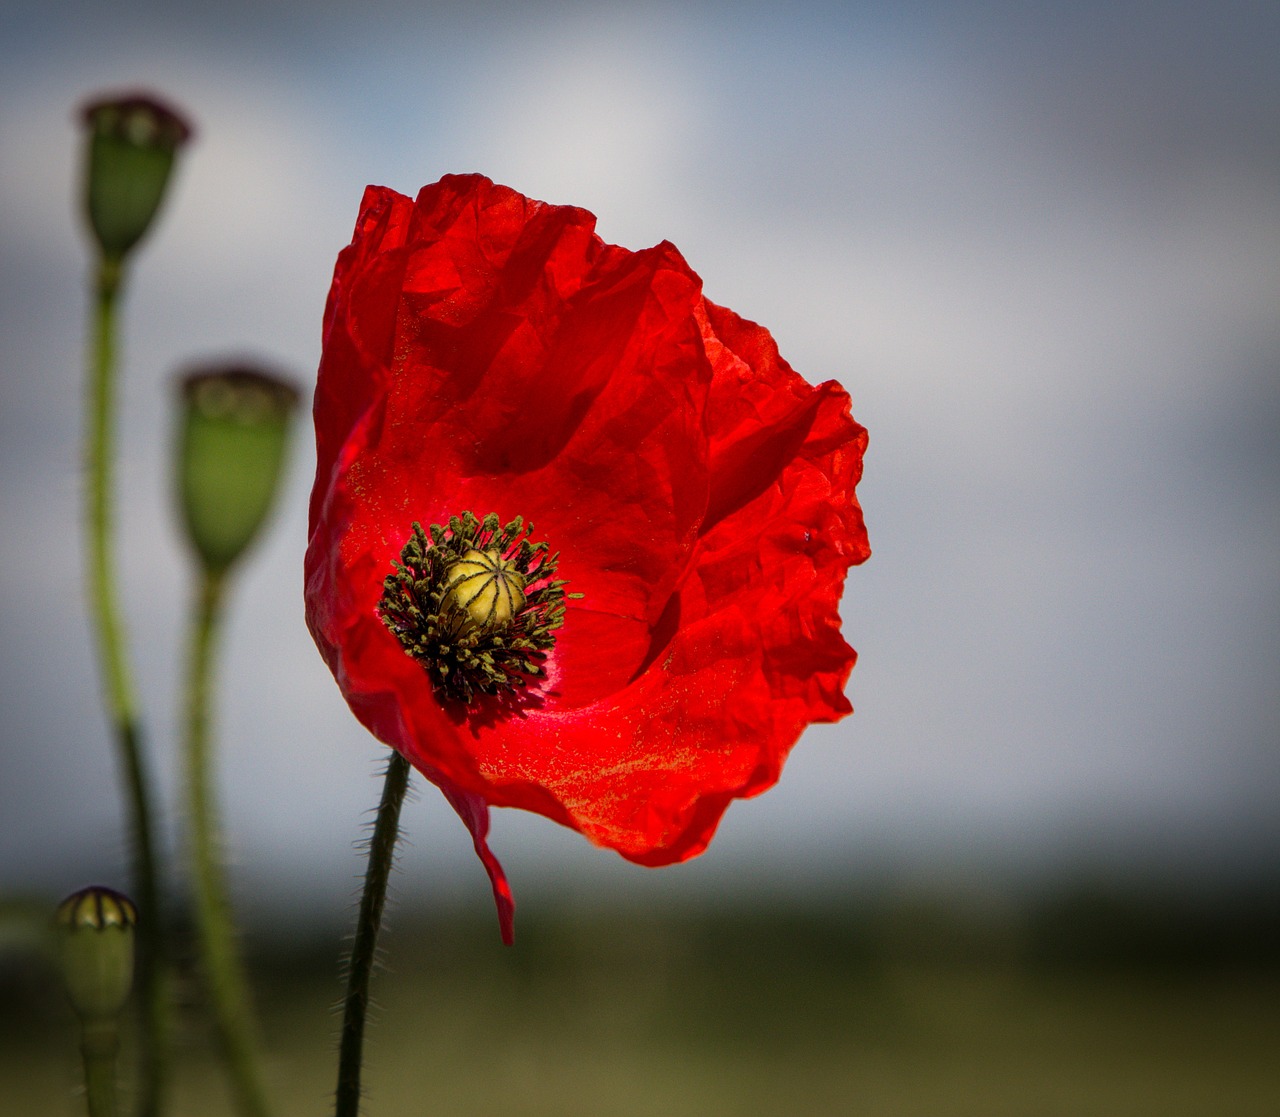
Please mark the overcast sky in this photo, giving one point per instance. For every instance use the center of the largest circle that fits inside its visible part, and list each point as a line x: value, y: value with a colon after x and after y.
x: 1042, y: 252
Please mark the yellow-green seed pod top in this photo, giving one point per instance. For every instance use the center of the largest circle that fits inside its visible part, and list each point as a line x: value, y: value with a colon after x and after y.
x: 232, y: 442
x: 132, y: 143
x: 486, y: 588
x: 96, y: 936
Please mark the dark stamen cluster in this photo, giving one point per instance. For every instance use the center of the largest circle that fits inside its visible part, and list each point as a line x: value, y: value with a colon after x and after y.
x: 465, y: 660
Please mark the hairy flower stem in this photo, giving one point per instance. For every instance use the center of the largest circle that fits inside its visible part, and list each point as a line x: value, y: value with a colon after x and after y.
x: 119, y: 696
x: 99, y: 1046
x: 382, y: 849
x: 223, y: 971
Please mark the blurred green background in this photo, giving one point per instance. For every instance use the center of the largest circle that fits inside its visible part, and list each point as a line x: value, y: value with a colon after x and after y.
x: 1084, y: 1001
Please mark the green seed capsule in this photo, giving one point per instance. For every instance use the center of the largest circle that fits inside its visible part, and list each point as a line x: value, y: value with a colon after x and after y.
x: 487, y: 588
x: 132, y: 144
x: 234, y: 434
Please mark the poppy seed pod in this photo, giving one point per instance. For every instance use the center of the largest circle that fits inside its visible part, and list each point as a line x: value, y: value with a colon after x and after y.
x: 233, y: 437
x: 132, y: 143
x: 96, y: 935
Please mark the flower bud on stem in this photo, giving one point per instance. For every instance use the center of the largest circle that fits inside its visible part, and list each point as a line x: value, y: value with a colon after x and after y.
x: 233, y: 434
x: 96, y: 939
x: 131, y: 145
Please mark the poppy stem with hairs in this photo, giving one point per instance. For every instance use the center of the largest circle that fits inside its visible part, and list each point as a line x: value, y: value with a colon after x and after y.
x: 219, y: 958
x: 131, y: 143
x: 233, y: 434
x: 120, y: 697
x: 99, y: 1046
x: 382, y: 848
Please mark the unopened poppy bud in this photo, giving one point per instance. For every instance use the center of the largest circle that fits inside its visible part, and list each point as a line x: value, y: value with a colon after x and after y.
x: 96, y: 937
x: 132, y: 143
x: 234, y: 433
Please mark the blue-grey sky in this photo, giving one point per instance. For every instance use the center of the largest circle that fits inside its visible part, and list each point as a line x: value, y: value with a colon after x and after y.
x: 1040, y: 248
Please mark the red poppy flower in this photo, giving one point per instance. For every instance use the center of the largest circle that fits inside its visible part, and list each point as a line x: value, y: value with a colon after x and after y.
x: 487, y: 358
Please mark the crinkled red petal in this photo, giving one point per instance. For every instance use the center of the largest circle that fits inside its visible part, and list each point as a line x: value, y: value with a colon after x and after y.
x: 486, y: 352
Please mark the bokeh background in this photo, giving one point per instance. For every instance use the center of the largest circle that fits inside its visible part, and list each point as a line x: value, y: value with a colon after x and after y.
x: 1039, y: 245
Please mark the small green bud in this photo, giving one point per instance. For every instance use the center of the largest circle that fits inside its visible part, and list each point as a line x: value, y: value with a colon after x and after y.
x: 132, y: 143
x: 234, y: 434
x: 96, y: 931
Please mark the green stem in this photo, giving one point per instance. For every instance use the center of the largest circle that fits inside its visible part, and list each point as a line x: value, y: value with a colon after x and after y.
x: 99, y: 1045
x: 121, y: 701
x: 220, y: 960
x: 382, y: 848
